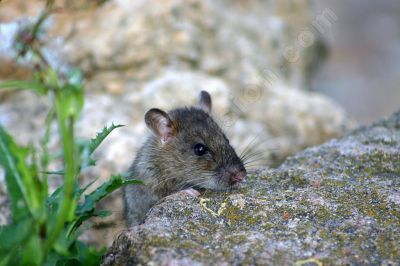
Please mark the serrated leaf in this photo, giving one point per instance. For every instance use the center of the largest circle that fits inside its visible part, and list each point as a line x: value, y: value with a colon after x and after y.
x: 80, y: 191
x: 87, y: 209
x: 84, y: 151
x: 78, y: 222
x: 103, y: 190
x: 95, y: 142
x: 23, y: 84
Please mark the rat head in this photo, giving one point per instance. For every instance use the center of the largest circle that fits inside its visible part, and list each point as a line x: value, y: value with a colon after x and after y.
x: 191, y: 149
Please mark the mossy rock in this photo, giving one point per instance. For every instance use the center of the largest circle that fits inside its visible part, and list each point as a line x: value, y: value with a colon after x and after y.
x: 338, y: 203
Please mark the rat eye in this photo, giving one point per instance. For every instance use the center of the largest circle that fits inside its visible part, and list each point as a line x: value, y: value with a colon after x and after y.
x: 200, y: 149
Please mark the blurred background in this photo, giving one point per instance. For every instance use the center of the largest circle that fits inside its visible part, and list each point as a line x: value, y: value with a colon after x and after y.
x: 362, y: 71
x: 284, y: 75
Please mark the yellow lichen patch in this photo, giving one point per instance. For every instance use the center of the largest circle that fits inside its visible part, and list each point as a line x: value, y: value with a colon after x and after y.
x: 221, y: 209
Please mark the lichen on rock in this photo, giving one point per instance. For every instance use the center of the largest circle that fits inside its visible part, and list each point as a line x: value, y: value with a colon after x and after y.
x: 337, y: 203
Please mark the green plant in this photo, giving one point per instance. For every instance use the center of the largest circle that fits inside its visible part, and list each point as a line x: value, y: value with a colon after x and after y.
x: 44, y: 228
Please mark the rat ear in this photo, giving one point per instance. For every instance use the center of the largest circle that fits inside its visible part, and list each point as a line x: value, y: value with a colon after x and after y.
x: 160, y: 124
x: 205, y: 101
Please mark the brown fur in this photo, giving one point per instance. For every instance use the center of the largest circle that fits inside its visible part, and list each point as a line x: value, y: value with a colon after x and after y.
x: 169, y: 167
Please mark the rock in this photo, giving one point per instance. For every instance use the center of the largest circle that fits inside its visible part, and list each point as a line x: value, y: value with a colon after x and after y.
x: 294, y: 115
x: 175, y: 88
x: 337, y: 203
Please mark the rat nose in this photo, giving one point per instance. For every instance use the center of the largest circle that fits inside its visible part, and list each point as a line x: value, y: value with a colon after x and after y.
x: 237, y: 176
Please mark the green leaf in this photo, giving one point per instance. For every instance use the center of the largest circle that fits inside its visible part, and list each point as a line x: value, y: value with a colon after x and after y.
x: 20, y: 184
x: 14, y: 235
x: 59, y: 172
x: 63, y: 243
x: 54, y: 198
x: 32, y: 253
x: 87, y: 255
x: 84, y: 151
x: 79, y: 253
x: 102, y: 214
x: 11, y: 258
x: 34, y: 180
x: 103, y: 190
x: 25, y: 85
x: 87, y: 209
x: 82, y: 218
x: 95, y: 142
x: 80, y: 191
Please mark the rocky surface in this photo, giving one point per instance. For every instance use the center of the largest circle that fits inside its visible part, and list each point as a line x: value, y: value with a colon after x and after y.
x: 338, y: 203
x: 250, y: 55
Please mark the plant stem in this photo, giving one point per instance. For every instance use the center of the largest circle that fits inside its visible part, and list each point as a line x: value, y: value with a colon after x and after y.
x: 66, y: 128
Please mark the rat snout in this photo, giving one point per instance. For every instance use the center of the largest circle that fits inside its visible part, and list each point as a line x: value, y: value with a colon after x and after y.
x: 236, y: 175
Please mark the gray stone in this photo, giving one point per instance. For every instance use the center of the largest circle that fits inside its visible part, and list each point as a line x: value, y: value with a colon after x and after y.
x: 337, y: 203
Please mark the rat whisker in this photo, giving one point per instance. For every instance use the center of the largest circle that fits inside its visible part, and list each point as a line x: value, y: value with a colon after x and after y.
x: 254, y: 160
x: 267, y: 144
x: 251, y: 155
x: 248, y: 146
x: 256, y: 156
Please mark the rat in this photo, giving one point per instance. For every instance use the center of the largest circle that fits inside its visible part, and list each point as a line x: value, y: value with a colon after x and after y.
x: 187, y: 150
